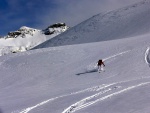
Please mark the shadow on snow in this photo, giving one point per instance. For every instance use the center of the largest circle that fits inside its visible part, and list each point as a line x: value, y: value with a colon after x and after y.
x: 86, y: 72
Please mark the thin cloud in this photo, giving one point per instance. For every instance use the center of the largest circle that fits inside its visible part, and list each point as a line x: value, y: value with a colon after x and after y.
x: 42, y: 13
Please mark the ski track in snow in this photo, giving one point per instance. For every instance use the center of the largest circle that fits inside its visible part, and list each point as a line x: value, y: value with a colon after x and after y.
x: 93, y: 66
x: 52, y: 99
x: 116, y: 55
x: 86, y: 101
x: 83, y: 103
x: 147, y: 56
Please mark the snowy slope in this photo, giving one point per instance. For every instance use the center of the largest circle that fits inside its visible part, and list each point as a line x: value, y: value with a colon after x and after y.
x: 122, y: 23
x: 26, y: 38
x: 65, y: 80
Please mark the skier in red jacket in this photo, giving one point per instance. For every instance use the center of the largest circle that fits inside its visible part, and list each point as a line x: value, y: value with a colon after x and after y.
x: 100, y: 64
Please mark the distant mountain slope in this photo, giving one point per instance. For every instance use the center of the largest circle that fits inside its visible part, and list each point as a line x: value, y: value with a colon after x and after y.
x: 26, y: 38
x: 125, y: 22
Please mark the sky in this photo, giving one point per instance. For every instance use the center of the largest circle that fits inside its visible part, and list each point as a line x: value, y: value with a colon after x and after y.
x: 40, y: 14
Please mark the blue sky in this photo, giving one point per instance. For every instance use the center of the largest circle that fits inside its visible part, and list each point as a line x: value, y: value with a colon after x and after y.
x: 42, y: 13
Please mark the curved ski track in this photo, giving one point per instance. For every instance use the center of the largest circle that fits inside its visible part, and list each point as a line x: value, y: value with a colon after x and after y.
x: 147, y: 56
x: 112, y: 90
x: 94, y: 98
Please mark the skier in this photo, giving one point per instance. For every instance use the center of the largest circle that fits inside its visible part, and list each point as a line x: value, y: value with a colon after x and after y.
x: 99, y: 64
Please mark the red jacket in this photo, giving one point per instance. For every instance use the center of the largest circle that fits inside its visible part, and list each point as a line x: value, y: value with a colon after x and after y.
x: 100, y: 62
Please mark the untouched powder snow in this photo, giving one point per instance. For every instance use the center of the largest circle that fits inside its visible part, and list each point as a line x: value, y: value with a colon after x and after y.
x: 122, y: 23
x: 48, y: 80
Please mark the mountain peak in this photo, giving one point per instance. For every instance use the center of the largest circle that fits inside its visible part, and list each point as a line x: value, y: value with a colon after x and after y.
x: 26, y: 38
x: 55, y: 28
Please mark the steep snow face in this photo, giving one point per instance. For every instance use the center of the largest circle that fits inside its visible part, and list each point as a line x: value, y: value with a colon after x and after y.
x: 26, y: 38
x: 125, y: 22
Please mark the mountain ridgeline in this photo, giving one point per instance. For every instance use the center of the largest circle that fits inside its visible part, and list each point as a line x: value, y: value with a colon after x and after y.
x: 126, y: 22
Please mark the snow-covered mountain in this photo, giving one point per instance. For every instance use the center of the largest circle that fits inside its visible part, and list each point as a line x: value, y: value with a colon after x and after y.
x: 64, y: 79
x: 26, y: 38
x: 129, y: 21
